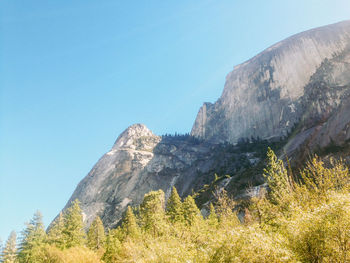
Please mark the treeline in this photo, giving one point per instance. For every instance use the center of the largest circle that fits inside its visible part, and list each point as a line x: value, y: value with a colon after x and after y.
x: 303, y: 218
x: 183, y: 137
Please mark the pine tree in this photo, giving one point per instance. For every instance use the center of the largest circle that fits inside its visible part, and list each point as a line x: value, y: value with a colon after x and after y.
x: 174, y: 207
x: 96, y: 237
x: 279, y: 182
x: 55, y: 235
x: 113, y: 246
x: 224, y: 209
x: 9, y: 253
x: 130, y: 227
x: 190, y: 211
x: 32, y: 240
x: 73, y: 229
x: 212, y: 218
x: 152, y: 213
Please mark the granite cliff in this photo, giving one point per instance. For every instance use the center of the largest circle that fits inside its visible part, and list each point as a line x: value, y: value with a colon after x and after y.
x: 298, y: 89
x: 268, y: 94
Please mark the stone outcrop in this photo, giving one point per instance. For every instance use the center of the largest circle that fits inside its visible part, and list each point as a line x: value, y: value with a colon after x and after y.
x: 140, y: 162
x: 264, y: 96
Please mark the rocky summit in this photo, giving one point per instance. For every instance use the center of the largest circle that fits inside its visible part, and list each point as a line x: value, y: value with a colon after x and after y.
x: 297, y: 89
x: 140, y: 162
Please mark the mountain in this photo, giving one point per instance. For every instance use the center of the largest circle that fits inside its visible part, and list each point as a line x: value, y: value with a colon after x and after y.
x: 140, y: 161
x: 294, y: 95
x: 268, y: 94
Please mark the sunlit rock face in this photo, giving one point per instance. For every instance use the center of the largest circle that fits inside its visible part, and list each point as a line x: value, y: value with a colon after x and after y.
x: 265, y: 96
x: 140, y: 162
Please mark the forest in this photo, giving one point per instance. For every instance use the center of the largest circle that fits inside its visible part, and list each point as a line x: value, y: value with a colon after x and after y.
x: 300, y: 217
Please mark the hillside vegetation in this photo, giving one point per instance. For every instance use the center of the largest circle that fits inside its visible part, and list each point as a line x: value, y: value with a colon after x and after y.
x: 302, y: 217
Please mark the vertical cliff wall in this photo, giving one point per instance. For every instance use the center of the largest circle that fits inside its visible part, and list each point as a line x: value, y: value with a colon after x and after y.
x: 263, y: 96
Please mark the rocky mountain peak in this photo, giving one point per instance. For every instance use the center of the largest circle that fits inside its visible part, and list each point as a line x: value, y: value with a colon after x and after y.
x: 132, y: 135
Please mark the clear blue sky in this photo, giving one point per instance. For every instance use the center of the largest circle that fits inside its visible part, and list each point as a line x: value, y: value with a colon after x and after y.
x: 75, y: 74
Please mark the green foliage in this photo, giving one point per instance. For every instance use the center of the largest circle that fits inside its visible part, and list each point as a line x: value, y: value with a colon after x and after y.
x: 130, y: 227
x: 251, y: 244
x: 152, y: 213
x: 313, y: 214
x: 174, y: 207
x: 305, y: 220
x: 96, y: 237
x: 320, y: 182
x: 55, y: 234
x: 224, y: 208
x: 32, y: 241
x: 212, y: 218
x: 73, y: 228
x: 279, y: 182
x: 323, y: 234
x: 9, y: 252
x: 77, y: 254
x: 113, y: 247
x: 191, y: 213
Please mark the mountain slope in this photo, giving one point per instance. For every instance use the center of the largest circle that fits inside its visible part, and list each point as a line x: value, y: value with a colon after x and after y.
x: 140, y: 162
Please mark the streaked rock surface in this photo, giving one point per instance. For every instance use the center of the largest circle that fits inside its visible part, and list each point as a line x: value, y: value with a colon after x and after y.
x: 265, y: 96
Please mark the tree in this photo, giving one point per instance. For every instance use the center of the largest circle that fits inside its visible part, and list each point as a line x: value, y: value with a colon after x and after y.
x: 55, y: 235
x: 152, y: 213
x: 212, y: 218
x: 96, y: 237
x: 9, y: 253
x: 225, y: 209
x: 130, y: 227
x: 174, y: 207
x: 279, y: 182
x: 113, y: 246
x: 73, y: 229
x: 190, y: 211
x: 32, y: 240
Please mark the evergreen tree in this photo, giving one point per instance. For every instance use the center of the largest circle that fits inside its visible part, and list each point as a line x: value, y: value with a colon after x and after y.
x: 9, y: 253
x: 212, y: 218
x: 152, y: 213
x: 190, y: 211
x: 174, y: 207
x: 113, y: 246
x: 32, y: 240
x: 224, y: 209
x: 55, y: 235
x: 96, y: 237
x: 130, y: 227
x: 1, y: 248
x: 279, y: 182
x: 73, y: 229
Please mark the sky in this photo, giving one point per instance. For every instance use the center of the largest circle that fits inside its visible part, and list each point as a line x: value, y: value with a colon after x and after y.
x: 75, y: 74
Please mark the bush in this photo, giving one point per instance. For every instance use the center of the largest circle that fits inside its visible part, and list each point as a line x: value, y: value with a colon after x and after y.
x: 70, y: 255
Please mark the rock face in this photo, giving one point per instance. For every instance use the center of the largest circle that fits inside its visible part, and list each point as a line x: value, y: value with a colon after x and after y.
x: 301, y: 82
x: 265, y: 96
x: 140, y: 162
